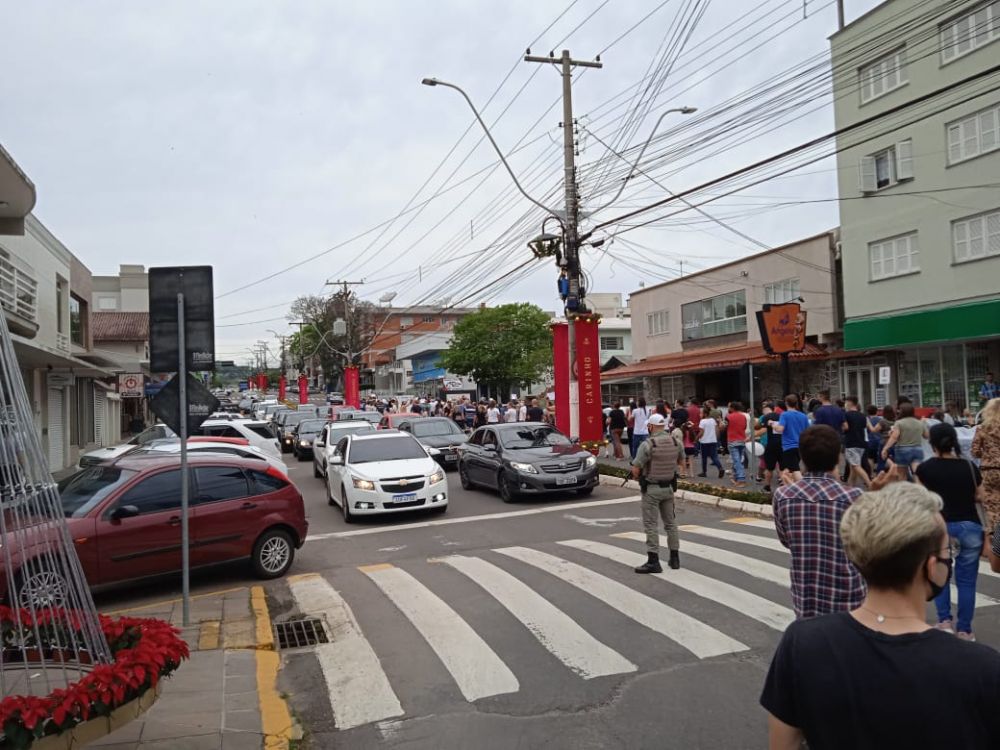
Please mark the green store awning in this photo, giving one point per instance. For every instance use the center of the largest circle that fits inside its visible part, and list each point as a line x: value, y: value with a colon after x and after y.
x: 957, y: 322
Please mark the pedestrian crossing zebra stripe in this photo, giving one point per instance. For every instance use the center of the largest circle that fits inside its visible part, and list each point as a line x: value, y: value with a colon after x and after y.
x: 773, y: 544
x: 554, y: 629
x: 475, y: 667
x: 358, y: 687
x: 760, y: 523
x: 750, y: 565
x: 700, y: 639
x: 753, y: 606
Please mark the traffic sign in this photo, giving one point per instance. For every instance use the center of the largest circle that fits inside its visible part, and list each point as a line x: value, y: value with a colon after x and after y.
x: 130, y: 384
x: 200, y: 404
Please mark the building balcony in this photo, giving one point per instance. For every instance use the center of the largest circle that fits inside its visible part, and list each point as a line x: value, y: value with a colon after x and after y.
x: 18, y: 295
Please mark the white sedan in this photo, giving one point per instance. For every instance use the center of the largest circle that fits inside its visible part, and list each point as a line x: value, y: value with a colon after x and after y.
x: 381, y: 472
x: 230, y: 446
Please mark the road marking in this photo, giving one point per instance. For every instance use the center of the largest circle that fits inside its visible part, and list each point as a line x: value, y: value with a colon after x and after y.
x: 773, y: 544
x: 262, y: 618
x: 208, y: 635
x: 753, y: 606
x: 984, y: 567
x: 700, y: 639
x: 553, y: 628
x: 750, y: 565
x: 275, y: 718
x: 599, y: 523
x: 358, y: 687
x: 476, y: 668
x: 471, y: 519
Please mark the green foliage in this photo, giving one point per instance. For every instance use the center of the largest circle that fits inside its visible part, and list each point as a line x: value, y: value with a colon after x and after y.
x: 329, y: 350
x: 501, y: 346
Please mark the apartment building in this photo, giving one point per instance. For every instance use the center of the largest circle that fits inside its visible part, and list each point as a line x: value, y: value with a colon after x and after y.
x: 697, y: 335
x: 919, y: 209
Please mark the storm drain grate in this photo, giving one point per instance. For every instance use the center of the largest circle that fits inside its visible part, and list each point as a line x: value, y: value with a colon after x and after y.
x: 308, y: 631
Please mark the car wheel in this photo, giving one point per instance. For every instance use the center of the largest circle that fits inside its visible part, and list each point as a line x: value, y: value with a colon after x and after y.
x: 585, y: 491
x: 316, y: 471
x: 463, y: 477
x: 273, y: 554
x: 507, y: 493
x: 345, y: 504
x: 40, y: 587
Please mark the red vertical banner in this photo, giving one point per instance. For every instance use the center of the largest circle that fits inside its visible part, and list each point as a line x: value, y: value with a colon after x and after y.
x: 282, y: 387
x: 262, y: 381
x: 588, y: 373
x: 352, y: 387
x: 303, y: 389
x: 560, y: 364
x: 250, y: 384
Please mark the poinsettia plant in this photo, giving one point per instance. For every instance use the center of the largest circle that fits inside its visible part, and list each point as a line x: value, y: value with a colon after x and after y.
x: 143, y: 650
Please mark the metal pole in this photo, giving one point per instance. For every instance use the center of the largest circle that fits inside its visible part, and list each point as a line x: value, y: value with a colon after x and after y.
x: 752, y: 463
x: 786, y: 373
x: 183, y: 408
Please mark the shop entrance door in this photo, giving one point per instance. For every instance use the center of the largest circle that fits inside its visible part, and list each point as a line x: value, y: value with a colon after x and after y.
x: 860, y: 382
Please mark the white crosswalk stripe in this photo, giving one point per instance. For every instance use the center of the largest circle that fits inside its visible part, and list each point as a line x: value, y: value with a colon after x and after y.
x: 761, y: 523
x: 359, y: 689
x: 700, y: 639
x: 753, y: 606
x: 767, y: 543
x: 475, y: 667
x: 553, y: 628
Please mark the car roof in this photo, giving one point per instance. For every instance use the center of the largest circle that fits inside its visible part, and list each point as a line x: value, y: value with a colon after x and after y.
x: 517, y: 425
x: 162, y: 459
x: 379, y: 434
x: 351, y: 423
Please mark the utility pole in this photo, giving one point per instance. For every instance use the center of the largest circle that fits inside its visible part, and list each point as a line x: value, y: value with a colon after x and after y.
x: 571, y: 254
x: 345, y: 287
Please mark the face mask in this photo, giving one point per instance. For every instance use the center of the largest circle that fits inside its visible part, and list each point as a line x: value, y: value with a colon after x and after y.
x: 936, y: 588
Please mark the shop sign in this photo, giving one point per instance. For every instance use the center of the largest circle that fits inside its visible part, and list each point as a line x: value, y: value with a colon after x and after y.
x: 782, y: 328
x: 131, y: 385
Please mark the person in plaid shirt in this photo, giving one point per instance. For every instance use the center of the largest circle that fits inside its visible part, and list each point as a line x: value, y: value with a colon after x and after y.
x: 807, y: 517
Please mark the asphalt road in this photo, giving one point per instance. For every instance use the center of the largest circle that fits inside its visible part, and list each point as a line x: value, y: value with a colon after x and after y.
x: 523, y: 626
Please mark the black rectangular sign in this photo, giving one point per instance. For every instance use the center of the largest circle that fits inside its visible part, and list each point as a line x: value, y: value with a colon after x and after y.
x: 195, y: 282
x: 200, y: 404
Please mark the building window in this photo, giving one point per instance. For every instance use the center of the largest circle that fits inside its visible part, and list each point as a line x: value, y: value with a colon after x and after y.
x: 974, y: 135
x: 658, y: 322
x: 716, y: 316
x: 895, y: 256
x: 882, y: 76
x: 427, y: 319
x: 76, y: 324
x: 612, y: 343
x: 970, y: 31
x: 887, y: 167
x: 781, y: 291
x: 405, y: 322
x: 976, y: 237
x: 107, y: 303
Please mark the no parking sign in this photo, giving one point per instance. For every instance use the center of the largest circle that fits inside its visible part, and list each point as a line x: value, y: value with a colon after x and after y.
x: 130, y: 384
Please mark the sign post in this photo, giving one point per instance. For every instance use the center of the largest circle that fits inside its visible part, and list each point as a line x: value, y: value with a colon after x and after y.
x: 185, y: 545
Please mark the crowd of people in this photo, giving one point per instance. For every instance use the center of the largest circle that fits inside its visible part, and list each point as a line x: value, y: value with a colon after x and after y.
x: 467, y: 413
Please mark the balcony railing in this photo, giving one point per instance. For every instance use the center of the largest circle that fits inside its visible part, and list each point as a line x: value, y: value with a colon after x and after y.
x: 18, y: 290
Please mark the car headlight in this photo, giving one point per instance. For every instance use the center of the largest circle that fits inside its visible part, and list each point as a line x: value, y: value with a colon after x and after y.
x: 591, y: 462
x: 363, y: 484
x: 304, y: 443
x: 437, y: 476
x: 526, y: 468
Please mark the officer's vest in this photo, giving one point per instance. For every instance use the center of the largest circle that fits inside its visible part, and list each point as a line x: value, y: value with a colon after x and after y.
x: 662, y: 458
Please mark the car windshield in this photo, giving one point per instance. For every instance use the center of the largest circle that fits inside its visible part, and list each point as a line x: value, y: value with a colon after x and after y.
x: 385, y: 449
x: 532, y: 437
x: 434, y: 428
x: 311, y: 425
x: 82, y: 491
x: 146, y: 436
x: 338, y: 431
x: 292, y: 418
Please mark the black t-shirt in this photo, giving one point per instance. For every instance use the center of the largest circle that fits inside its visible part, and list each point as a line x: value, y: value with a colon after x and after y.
x: 616, y: 419
x: 680, y: 417
x: 535, y: 414
x: 856, y: 425
x: 773, y: 441
x: 846, y: 686
x: 955, y: 480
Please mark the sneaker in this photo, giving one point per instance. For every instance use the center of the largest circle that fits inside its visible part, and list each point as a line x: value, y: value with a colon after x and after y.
x: 722, y: 473
x: 946, y: 627
x: 966, y: 636
x: 703, y: 475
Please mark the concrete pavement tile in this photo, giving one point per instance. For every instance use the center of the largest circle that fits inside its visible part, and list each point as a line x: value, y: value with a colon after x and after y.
x: 202, y: 742
x: 174, y: 726
x: 242, y: 741
x: 244, y: 683
x: 130, y: 732
x: 181, y: 704
x: 241, y: 663
x: 240, y: 701
x: 116, y: 746
x: 245, y: 720
x: 239, y: 634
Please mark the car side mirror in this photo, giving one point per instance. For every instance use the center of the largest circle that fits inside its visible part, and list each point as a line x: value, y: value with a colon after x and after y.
x: 490, y: 448
x: 124, y: 511
x: 337, y: 460
x: 319, y: 443
x: 433, y: 452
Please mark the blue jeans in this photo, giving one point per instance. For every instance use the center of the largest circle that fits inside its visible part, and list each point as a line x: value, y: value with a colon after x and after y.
x: 736, y: 452
x: 636, y: 441
x: 908, y: 455
x: 969, y: 537
x: 710, y: 452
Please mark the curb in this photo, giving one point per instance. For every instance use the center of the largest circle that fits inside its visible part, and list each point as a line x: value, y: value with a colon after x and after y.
x: 738, y: 506
x: 276, y: 721
x: 262, y: 619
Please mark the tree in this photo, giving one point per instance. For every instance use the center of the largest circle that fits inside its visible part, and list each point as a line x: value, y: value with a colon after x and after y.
x: 500, y: 347
x: 317, y: 340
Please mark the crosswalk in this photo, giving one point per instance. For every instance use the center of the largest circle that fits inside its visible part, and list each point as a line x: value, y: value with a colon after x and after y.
x: 459, y: 620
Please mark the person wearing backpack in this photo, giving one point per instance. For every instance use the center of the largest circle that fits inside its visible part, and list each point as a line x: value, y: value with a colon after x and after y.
x: 656, y: 465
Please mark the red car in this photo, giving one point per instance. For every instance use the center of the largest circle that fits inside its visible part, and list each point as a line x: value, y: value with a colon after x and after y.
x: 124, y: 519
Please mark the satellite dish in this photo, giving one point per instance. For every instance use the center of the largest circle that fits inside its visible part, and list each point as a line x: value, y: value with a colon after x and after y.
x: 387, y: 297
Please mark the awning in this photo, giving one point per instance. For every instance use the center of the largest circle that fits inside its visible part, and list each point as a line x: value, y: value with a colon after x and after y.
x: 724, y: 358
x: 17, y: 196
x: 33, y: 356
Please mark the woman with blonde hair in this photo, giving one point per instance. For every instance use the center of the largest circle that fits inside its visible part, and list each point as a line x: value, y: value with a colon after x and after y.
x: 986, y: 447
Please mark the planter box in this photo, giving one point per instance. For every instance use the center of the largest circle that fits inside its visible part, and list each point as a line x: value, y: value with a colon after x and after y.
x: 100, y: 726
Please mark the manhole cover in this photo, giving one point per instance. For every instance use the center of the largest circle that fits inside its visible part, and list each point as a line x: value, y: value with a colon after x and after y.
x: 308, y: 631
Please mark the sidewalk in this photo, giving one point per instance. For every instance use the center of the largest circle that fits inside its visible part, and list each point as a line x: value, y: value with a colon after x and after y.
x: 224, y: 697
x: 713, y: 473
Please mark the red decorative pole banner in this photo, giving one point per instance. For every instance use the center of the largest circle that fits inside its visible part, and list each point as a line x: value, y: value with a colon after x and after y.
x: 560, y: 364
x: 282, y: 387
x: 250, y: 383
x: 303, y: 389
x: 352, y: 387
x: 588, y: 373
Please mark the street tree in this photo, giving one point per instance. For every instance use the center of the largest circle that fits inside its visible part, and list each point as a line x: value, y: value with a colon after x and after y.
x: 316, y: 342
x: 501, y: 347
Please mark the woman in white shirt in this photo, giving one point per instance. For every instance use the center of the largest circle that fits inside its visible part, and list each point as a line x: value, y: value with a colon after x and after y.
x: 492, y: 413
x: 640, y: 428
x: 708, y: 437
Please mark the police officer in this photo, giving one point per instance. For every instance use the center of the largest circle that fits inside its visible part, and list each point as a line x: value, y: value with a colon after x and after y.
x: 656, y: 465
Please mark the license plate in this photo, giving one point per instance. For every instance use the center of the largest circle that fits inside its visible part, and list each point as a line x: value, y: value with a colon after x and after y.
x: 406, y: 497
x: 450, y: 457
x: 565, y: 480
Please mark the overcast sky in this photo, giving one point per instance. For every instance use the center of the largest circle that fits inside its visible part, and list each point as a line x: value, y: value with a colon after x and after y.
x: 254, y: 134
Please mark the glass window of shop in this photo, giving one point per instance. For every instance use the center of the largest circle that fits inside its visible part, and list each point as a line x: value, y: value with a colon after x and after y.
x: 935, y: 376
x: 671, y: 388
